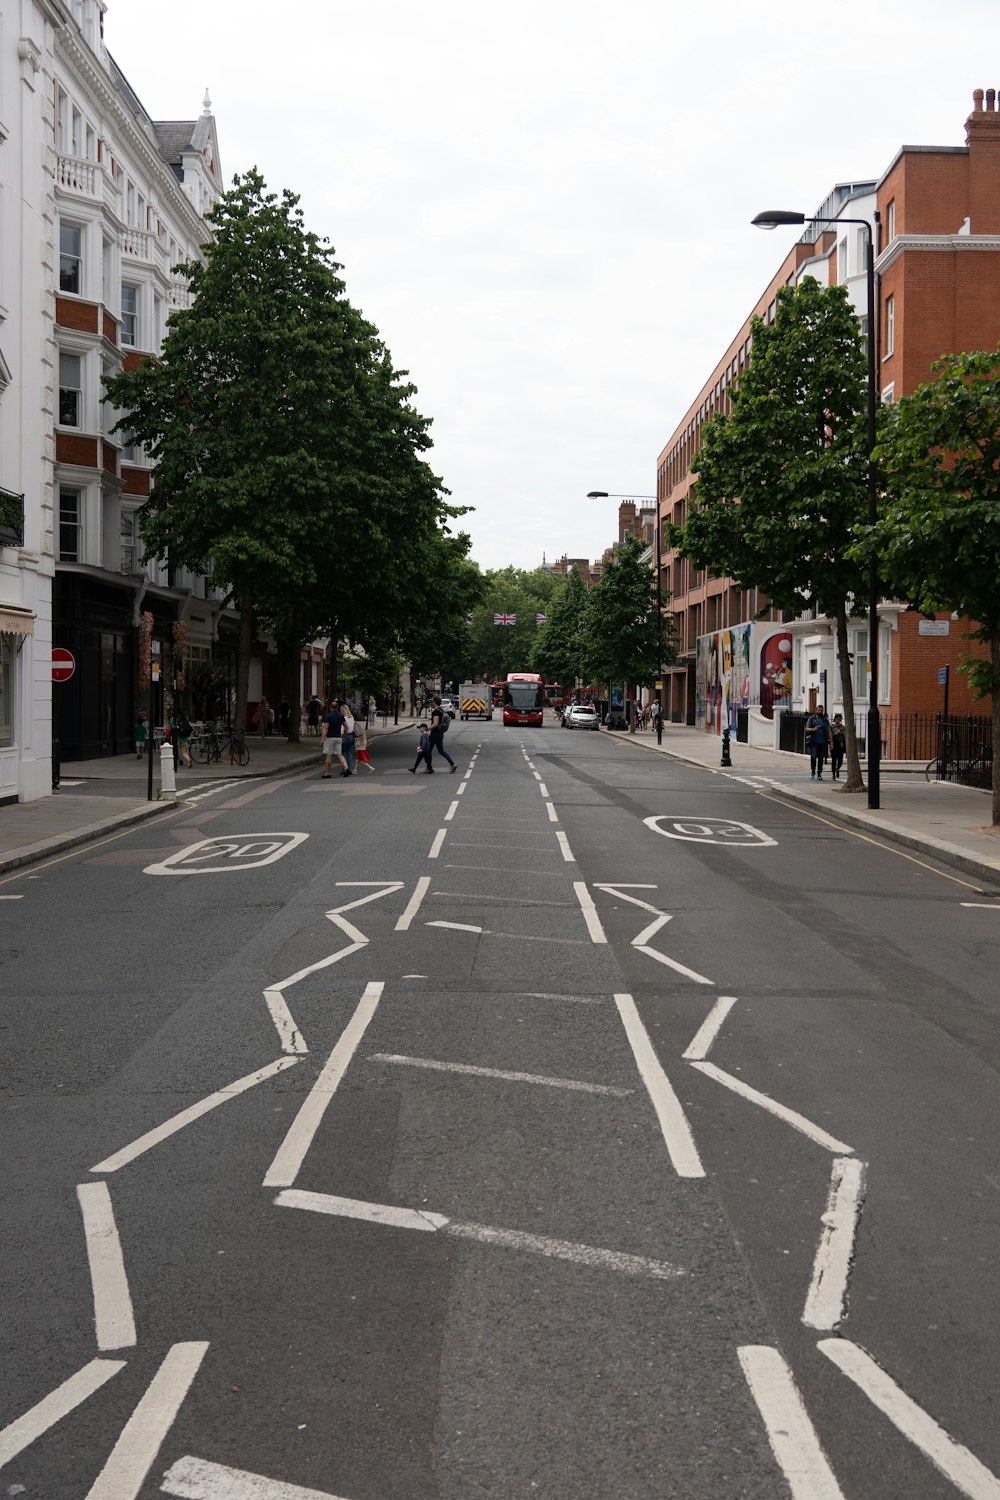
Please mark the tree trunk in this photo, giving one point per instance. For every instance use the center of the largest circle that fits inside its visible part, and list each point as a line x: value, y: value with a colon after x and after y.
x: 854, y: 782
x: 995, y: 663
x: 290, y: 649
x: 243, y: 664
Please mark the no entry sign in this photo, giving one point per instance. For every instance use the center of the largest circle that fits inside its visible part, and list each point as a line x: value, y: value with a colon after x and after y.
x: 63, y: 664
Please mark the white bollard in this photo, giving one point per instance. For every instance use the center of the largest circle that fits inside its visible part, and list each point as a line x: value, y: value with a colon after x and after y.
x: 168, y: 776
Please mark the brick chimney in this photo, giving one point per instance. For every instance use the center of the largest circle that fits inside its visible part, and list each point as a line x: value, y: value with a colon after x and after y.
x: 982, y: 136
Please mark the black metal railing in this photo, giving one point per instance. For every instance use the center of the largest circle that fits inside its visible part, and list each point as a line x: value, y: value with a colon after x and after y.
x: 956, y: 749
x: 11, y: 519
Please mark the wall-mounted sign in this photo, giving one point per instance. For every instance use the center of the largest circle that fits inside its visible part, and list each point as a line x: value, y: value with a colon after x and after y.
x: 934, y: 627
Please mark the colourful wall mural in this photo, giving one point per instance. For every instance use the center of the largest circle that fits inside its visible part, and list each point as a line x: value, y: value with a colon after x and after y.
x: 722, y: 677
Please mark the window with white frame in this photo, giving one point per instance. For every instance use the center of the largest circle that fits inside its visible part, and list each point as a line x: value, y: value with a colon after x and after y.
x: 70, y: 518
x: 859, y: 664
x: 70, y: 258
x: 62, y: 121
x: 7, y: 658
x: 890, y: 221
x: 130, y: 314
x: 890, y: 324
x: 70, y: 390
x: 128, y: 542
x: 842, y: 260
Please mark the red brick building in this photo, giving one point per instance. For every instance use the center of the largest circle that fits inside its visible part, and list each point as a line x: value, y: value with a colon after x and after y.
x: 936, y: 216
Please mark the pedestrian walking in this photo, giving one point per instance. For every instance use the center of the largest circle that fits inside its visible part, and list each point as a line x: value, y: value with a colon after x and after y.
x: 818, y: 735
x: 423, y: 752
x: 838, y: 745
x: 333, y: 739
x: 372, y: 707
x: 284, y: 716
x: 313, y: 710
x: 349, y: 738
x: 361, y: 746
x: 439, y: 727
x: 263, y: 718
x: 140, y: 736
x: 178, y: 726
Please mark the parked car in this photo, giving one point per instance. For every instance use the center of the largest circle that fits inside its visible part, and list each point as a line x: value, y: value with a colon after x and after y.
x: 450, y: 705
x: 581, y: 716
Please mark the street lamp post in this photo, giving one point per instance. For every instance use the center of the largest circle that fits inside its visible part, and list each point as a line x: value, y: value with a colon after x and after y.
x: 606, y: 495
x: 770, y: 219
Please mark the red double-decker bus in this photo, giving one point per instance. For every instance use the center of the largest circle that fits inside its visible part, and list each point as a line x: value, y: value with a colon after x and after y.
x: 523, y: 699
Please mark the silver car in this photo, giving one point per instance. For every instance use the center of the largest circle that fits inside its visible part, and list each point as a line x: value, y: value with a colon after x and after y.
x: 581, y: 716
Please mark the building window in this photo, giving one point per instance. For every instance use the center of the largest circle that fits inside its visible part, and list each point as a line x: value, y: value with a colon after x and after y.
x: 130, y: 314
x: 890, y: 221
x: 890, y: 325
x: 842, y: 260
x: 128, y: 548
x: 7, y: 657
x: 70, y: 390
x: 70, y: 258
x: 69, y: 525
x: 859, y: 664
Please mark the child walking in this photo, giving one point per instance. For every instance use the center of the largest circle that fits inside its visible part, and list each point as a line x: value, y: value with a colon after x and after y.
x: 361, y: 745
x: 140, y: 736
x: 424, y: 752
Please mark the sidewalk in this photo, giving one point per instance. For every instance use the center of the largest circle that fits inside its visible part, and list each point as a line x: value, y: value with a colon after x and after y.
x: 947, y: 822
x: 98, y: 797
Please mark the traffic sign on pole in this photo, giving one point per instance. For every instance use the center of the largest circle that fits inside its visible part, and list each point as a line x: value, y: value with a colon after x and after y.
x: 63, y: 664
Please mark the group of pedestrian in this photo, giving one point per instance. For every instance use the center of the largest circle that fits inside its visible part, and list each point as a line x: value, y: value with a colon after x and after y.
x: 344, y: 740
x: 823, y: 739
x: 431, y: 739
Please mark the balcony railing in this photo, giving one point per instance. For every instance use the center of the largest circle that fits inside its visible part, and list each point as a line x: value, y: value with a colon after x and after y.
x: 89, y: 179
x: 11, y: 519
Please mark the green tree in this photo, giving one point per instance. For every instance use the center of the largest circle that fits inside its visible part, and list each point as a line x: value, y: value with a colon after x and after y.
x: 782, y: 478
x: 938, y: 532
x: 558, y: 648
x: 493, y: 649
x: 620, y: 627
x: 286, y: 448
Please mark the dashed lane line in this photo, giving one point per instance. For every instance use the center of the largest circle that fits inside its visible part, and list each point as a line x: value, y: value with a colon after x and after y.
x: 593, y: 921
x: 435, y: 848
x: 413, y: 905
x: 567, y: 852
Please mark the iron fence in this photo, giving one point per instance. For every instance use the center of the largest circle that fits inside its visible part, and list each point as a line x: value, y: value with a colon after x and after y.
x: 953, y: 749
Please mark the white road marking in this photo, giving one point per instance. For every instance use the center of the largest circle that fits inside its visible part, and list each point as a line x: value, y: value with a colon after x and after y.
x: 790, y: 1117
x: 642, y: 938
x: 140, y: 1439
x: 291, y: 1153
x: 240, y: 851
x: 534, y: 772
x: 511, y: 1077
x: 460, y: 789
x: 385, y: 888
x: 435, y: 848
x: 23, y: 1431
x: 593, y: 921
x: 456, y: 926
x: 324, y: 963
x: 413, y: 905
x: 573, y: 999
x: 974, y: 905
x: 724, y: 831
x: 567, y: 852
x: 289, y: 1034
x: 453, y: 809
x: 953, y: 1460
x: 543, y: 788
x: 826, y: 1302
x: 672, y: 963
x: 197, y: 1479
x: 114, y: 1319
x: 709, y: 1029
x: 791, y: 1434
x: 467, y: 774
x: 486, y: 1234
x: 188, y: 1116
x: 553, y: 815
x: 21, y: 897
x: 673, y: 1123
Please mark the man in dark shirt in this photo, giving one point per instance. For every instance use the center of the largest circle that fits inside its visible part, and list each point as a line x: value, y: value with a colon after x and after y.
x: 333, y: 736
x: 437, y: 733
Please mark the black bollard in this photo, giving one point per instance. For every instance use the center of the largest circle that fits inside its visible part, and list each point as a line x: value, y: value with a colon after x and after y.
x: 727, y: 759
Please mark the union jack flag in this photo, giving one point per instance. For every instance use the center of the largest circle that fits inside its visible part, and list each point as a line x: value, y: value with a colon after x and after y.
x: 505, y: 619
x: 540, y: 619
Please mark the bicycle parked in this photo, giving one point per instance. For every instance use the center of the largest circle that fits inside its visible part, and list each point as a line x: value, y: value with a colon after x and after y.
x: 209, y: 743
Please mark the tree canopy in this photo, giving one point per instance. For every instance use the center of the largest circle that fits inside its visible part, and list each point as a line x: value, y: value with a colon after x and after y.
x: 782, y: 477
x: 938, y: 532
x: 620, y: 627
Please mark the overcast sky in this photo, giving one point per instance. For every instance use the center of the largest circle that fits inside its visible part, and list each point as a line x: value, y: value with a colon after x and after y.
x: 545, y: 207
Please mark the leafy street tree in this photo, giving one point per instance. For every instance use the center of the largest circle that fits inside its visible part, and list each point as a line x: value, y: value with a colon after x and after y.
x: 782, y: 478
x: 938, y: 533
x: 620, y: 625
x: 493, y: 649
x: 558, y: 648
x: 286, y: 448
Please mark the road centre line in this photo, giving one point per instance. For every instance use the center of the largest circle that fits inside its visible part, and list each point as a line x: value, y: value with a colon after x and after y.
x: 975, y: 905
x: 553, y: 815
x: 790, y: 1117
x: 826, y: 1301
x: 460, y: 789
x: 413, y: 905
x: 188, y: 1116
x: 197, y: 1479
x: 114, y: 1319
x: 435, y: 848
x: 790, y: 1432
x: 535, y: 773
x: 291, y: 1153
x: 453, y: 809
x: 593, y: 921
x: 674, y: 1127
x: 567, y: 852
x: 543, y: 788
x: 672, y: 963
x: 140, y: 1439
x: 950, y: 1458
x: 24, y: 1430
x: 12, y: 898
x: 709, y: 1029
x: 511, y: 1077
x: 467, y: 774
x: 486, y: 1234
x: 455, y: 926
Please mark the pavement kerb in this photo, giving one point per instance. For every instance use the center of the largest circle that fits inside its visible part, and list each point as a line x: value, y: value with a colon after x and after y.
x: 951, y: 854
x: 45, y: 848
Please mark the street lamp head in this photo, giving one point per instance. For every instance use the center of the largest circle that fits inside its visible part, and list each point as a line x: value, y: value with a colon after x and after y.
x: 597, y: 495
x: 772, y: 217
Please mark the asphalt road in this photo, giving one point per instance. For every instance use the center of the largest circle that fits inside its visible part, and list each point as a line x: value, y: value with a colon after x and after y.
x: 580, y: 1125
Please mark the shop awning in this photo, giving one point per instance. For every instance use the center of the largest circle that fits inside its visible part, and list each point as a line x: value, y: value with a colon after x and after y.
x: 14, y: 621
